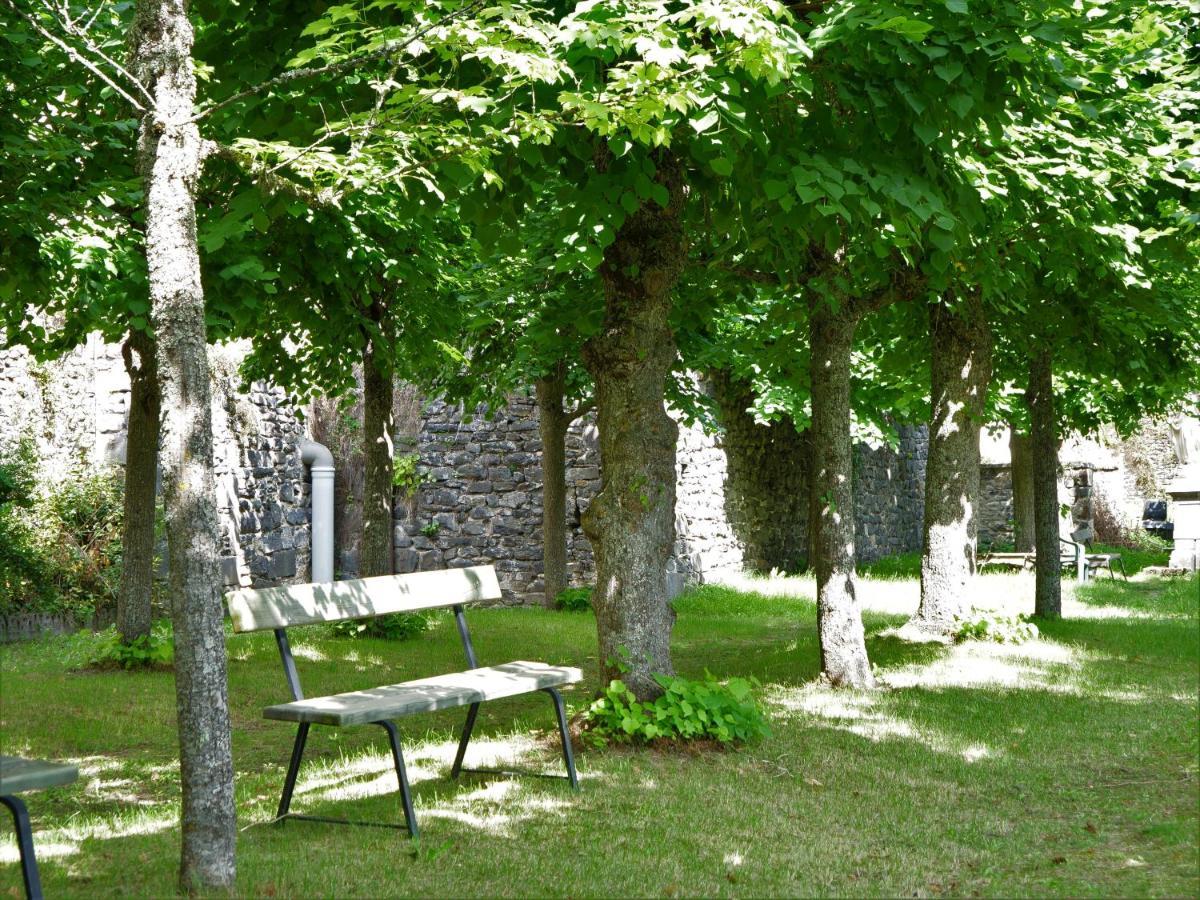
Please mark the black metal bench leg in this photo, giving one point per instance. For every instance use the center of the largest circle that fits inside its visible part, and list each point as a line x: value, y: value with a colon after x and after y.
x: 289, y: 784
x: 568, y: 756
x: 29, y: 869
x: 468, y: 727
x: 410, y: 818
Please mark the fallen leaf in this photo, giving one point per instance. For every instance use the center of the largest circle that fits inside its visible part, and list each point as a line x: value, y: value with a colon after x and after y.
x: 1090, y: 828
x: 1058, y: 860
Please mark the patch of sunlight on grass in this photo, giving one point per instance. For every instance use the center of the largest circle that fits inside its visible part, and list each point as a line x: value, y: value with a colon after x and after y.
x: 1037, y: 664
x: 498, y: 808
x: 65, y: 840
x: 370, y: 774
x: 309, y: 652
x: 362, y: 661
x: 859, y: 713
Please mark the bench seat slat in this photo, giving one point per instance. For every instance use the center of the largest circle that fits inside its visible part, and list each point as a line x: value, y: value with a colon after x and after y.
x: 17, y: 774
x: 426, y: 694
x: 306, y: 604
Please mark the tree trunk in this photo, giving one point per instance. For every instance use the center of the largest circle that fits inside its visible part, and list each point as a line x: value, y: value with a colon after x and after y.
x: 141, y: 473
x: 1021, y: 450
x: 1044, y: 440
x: 376, y: 554
x: 170, y: 156
x: 766, y: 481
x: 960, y: 369
x: 839, y: 616
x: 631, y: 521
x: 553, y: 423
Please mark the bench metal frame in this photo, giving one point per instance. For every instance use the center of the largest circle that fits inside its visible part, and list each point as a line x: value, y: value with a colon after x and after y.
x: 29, y: 869
x: 410, y: 819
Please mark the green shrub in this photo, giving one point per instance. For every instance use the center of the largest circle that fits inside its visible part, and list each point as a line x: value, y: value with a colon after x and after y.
x: 156, y: 650
x: 988, y: 626
x: 576, y: 599
x: 395, y: 627
x: 687, y: 710
x: 60, y: 544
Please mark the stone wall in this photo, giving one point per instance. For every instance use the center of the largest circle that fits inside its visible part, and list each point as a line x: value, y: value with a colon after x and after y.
x: 1075, y: 491
x: 481, y: 497
x: 76, y: 408
x: 995, y: 505
x: 481, y: 500
x: 889, y: 496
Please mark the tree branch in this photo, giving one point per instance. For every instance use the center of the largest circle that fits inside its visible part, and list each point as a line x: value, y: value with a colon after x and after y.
x: 272, y: 183
x: 391, y: 48
x: 581, y: 409
x: 78, y: 57
x: 81, y: 34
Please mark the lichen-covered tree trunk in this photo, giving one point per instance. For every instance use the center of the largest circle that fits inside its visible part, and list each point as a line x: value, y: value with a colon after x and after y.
x: 960, y: 369
x: 631, y: 521
x: 839, y: 615
x: 1043, y: 419
x: 552, y: 424
x: 170, y: 155
x: 141, y: 471
x: 766, y: 481
x: 376, y: 554
x: 1021, y: 451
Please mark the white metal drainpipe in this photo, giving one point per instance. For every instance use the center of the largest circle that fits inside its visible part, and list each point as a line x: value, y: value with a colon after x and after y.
x: 320, y: 466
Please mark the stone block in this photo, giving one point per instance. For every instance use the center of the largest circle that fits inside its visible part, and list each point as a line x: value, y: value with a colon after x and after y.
x: 283, y: 564
x: 430, y: 561
x: 406, y: 560
x: 229, y: 570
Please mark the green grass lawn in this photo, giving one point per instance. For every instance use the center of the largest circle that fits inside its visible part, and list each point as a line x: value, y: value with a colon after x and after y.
x: 1066, y: 765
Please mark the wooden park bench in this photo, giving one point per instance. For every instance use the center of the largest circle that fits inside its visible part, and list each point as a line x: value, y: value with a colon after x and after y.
x: 1073, y: 555
x: 17, y: 776
x: 305, y: 604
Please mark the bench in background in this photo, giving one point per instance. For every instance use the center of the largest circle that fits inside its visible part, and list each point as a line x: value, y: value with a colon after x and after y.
x: 1072, y: 555
x: 305, y: 604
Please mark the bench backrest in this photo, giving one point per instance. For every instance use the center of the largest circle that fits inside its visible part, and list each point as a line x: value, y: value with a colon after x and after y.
x: 307, y: 604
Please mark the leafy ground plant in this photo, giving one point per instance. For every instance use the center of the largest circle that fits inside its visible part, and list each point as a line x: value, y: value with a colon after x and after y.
x: 576, y: 599
x: 153, y: 651
x: 687, y: 710
x: 991, y: 626
x: 395, y: 627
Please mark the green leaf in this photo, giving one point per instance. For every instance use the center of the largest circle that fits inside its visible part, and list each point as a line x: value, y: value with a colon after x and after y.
x: 774, y: 189
x: 926, y: 132
x: 722, y: 166
x: 961, y: 104
x: 706, y: 121
x: 948, y: 71
x: 913, y: 29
